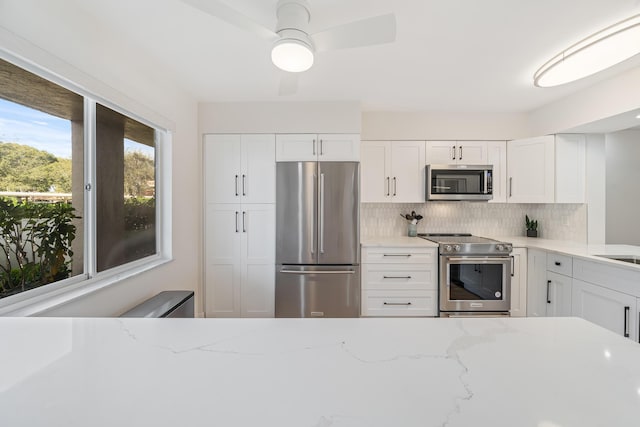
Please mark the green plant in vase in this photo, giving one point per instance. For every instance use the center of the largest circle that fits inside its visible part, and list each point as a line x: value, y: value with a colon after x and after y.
x: 532, y: 226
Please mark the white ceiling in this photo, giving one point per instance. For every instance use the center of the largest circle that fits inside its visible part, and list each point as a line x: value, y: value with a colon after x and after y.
x: 450, y: 55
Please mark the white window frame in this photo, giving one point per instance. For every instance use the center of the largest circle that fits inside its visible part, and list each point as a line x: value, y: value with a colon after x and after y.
x: 47, y: 297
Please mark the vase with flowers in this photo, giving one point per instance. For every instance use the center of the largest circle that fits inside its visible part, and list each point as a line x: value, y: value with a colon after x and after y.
x: 412, y: 223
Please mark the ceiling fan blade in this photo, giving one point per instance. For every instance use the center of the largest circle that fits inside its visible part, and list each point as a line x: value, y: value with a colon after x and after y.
x: 377, y: 30
x: 288, y: 84
x: 232, y: 16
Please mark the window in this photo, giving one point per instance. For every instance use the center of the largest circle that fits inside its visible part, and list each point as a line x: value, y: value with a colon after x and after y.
x: 54, y: 197
x: 125, y: 189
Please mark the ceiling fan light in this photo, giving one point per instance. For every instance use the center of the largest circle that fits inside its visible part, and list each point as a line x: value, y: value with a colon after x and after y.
x: 292, y: 55
x: 597, y: 52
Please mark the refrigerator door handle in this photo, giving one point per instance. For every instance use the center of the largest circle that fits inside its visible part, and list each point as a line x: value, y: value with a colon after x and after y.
x: 321, y: 213
x: 318, y: 272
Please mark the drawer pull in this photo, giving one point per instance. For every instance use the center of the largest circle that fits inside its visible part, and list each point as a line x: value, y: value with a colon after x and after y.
x: 396, y: 277
x: 404, y: 255
x: 558, y: 263
x: 397, y: 303
x: 626, y: 321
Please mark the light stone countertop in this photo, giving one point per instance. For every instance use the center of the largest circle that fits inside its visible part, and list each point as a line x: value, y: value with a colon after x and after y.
x: 397, y: 241
x: 411, y: 372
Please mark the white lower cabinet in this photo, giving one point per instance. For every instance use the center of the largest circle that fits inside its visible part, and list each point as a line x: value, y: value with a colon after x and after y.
x: 536, y: 283
x: 399, y: 303
x: 558, y: 295
x: 240, y: 260
x: 548, y: 291
x: 399, y: 281
x: 518, y: 283
x: 610, y: 309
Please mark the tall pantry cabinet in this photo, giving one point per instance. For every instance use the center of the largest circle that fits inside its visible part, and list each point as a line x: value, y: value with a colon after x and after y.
x: 239, y: 190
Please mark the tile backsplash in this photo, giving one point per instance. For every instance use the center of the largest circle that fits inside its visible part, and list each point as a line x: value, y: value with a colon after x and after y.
x: 555, y: 221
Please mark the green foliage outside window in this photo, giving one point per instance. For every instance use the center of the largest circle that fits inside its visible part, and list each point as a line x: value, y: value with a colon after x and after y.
x: 35, y: 244
x: 24, y: 168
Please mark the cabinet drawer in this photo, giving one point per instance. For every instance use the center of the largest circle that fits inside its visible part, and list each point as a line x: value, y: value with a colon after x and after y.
x: 560, y: 264
x: 399, y: 303
x: 399, y: 255
x: 398, y: 277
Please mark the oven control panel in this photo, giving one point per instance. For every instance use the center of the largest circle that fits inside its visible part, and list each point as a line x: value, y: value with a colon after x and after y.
x: 487, y: 249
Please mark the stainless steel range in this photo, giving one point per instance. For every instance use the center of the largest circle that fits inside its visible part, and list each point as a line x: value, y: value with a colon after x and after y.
x: 475, y: 275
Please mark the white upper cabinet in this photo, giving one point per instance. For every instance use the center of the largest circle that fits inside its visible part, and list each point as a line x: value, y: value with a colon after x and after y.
x: 546, y: 169
x: 497, y: 156
x: 457, y: 152
x: 530, y: 170
x: 570, y: 168
x: 240, y: 168
x: 392, y: 171
x: 317, y: 147
x: 375, y: 168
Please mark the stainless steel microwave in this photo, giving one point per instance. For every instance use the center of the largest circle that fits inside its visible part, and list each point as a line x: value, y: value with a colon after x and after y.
x: 459, y: 182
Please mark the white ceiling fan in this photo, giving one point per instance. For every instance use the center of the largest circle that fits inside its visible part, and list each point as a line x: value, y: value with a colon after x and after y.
x: 293, y: 47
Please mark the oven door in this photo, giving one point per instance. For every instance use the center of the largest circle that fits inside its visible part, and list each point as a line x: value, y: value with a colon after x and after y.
x: 475, y: 283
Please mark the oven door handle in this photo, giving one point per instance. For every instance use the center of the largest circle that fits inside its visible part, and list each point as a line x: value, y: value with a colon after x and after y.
x: 488, y: 259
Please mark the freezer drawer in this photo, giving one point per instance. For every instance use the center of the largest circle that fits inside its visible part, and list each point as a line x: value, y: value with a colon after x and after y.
x: 317, y: 291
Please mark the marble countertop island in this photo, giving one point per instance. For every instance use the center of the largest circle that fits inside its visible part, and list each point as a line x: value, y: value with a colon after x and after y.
x: 541, y: 372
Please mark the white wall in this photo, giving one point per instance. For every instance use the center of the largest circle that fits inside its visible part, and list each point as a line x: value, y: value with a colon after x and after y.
x: 595, y: 188
x: 622, y: 178
x: 280, y: 117
x: 56, y: 36
x: 390, y: 125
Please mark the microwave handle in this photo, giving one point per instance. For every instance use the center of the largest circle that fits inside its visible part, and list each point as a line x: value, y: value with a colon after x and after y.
x: 486, y: 182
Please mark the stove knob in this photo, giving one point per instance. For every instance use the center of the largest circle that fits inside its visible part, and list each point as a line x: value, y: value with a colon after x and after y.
x: 457, y: 248
x: 500, y: 248
x: 508, y: 248
x: 447, y: 248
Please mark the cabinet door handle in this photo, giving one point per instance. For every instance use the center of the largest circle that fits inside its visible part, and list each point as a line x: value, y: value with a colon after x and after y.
x: 558, y: 263
x: 395, y: 186
x: 244, y: 225
x: 321, y: 148
x: 236, y: 185
x: 510, y: 186
x: 460, y: 148
x: 626, y: 321
x: 548, y: 285
x: 453, y: 152
x: 396, y: 277
x: 397, y: 303
x: 237, y: 221
x: 314, y: 147
x: 388, y: 187
x: 639, y: 327
x: 244, y: 178
x: 403, y: 255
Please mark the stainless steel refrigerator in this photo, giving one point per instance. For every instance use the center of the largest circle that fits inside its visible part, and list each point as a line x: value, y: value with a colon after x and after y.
x: 317, y: 239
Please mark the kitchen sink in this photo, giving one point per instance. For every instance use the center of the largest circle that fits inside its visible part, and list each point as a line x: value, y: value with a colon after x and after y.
x: 632, y: 259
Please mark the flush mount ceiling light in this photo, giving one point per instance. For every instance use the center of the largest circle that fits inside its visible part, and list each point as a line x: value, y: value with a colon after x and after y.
x: 597, y: 52
x: 292, y: 55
